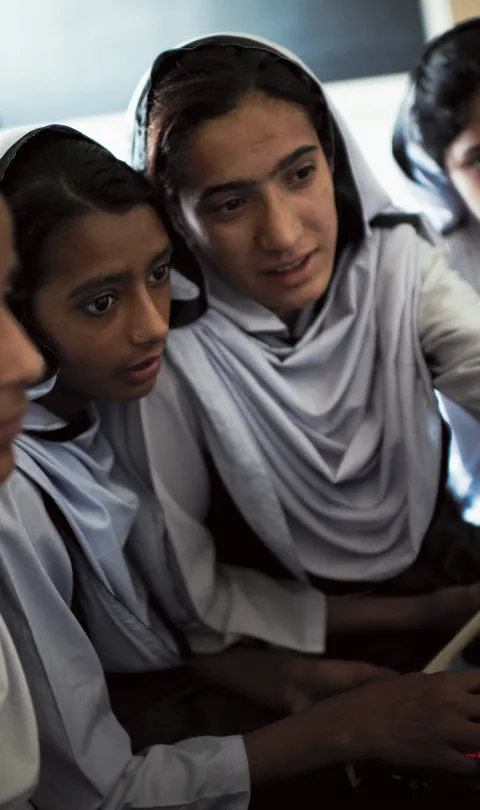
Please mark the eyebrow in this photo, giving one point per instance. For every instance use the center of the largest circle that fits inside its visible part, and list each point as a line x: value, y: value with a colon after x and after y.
x: 99, y: 282
x: 242, y: 184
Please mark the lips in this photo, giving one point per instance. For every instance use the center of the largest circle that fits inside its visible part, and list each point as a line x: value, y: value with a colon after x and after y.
x: 291, y: 267
x: 145, y: 371
x: 293, y: 274
x: 10, y: 428
x: 144, y: 363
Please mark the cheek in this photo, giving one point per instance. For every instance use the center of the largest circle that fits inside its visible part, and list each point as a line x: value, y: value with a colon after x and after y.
x: 468, y: 186
x: 231, y: 239
x: 86, y: 364
x: 214, y: 239
x: 50, y: 322
x: 162, y: 299
x: 82, y: 349
x: 325, y: 194
x: 323, y: 208
x: 220, y: 242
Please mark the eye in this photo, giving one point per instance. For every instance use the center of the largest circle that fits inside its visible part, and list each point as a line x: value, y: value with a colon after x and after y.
x: 101, y: 305
x: 232, y: 205
x: 472, y: 159
x: 303, y: 175
x: 160, y: 274
x: 229, y: 208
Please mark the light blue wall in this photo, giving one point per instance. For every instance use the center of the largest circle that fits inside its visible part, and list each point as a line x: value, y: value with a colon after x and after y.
x: 68, y: 58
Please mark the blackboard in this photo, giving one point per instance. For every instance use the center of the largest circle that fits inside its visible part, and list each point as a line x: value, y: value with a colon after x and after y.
x: 64, y: 58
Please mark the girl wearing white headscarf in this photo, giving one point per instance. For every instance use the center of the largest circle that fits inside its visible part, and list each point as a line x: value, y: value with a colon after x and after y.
x: 92, y: 565
x: 90, y: 590
x: 331, y: 321
x: 436, y: 144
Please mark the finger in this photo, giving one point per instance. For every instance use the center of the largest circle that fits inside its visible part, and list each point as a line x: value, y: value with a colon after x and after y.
x: 471, y: 708
x: 457, y: 763
x: 465, y: 737
x: 367, y: 672
x: 468, y: 680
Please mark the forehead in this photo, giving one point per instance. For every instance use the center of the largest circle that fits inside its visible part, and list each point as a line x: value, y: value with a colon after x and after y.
x: 99, y: 242
x: 469, y: 137
x: 249, y: 141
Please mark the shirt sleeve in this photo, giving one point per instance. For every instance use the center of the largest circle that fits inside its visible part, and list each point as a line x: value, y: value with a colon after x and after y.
x: 19, y: 755
x: 449, y: 330
x: 230, y: 601
x: 86, y: 757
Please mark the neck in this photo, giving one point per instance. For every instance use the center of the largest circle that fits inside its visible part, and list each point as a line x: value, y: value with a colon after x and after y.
x: 64, y: 403
x: 289, y: 318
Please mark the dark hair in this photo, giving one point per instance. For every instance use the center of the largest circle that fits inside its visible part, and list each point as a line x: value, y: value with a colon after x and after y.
x: 55, y: 178
x: 447, y: 79
x: 207, y: 83
x: 52, y: 179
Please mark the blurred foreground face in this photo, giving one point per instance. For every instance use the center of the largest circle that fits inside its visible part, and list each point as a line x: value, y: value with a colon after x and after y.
x: 462, y: 160
x: 20, y: 364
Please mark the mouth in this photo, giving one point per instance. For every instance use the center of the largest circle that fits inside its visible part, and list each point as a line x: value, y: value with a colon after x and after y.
x: 144, y: 371
x: 294, y: 272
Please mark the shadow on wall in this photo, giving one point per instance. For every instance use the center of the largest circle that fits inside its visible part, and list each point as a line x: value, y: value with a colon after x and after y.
x: 62, y: 60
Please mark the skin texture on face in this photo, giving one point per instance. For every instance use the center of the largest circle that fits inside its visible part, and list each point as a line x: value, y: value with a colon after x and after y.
x: 462, y: 160
x: 258, y: 200
x: 20, y: 365
x: 104, y: 306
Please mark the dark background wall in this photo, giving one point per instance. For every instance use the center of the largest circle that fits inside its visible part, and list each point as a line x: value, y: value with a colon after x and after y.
x: 69, y: 58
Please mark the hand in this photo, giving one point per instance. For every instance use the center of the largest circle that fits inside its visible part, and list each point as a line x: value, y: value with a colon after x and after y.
x: 412, y: 721
x: 309, y: 680
x: 286, y: 682
x: 407, y: 721
x: 449, y: 608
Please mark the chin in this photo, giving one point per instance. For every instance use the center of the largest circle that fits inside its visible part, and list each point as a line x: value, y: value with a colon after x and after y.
x: 303, y: 296
x: 7, y: 463
x: 135, y: 392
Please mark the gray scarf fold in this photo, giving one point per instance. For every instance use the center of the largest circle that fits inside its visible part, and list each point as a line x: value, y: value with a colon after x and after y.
x: 333, y: 444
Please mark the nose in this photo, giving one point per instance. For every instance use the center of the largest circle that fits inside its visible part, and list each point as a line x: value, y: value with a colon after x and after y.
x: 21, y: 365
x: 279, y: 226
x: 150, y: 316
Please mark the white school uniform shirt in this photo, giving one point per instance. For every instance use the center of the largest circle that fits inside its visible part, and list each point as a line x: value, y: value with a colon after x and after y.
x: 457, y: 232
x: 448, y: 327
x: 86, y: 756
x: 19, y: 755
x: 462, y: 249
x: 160, y: 438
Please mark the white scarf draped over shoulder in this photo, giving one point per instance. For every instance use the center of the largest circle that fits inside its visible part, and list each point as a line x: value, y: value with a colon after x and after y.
x: 333, y: 443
